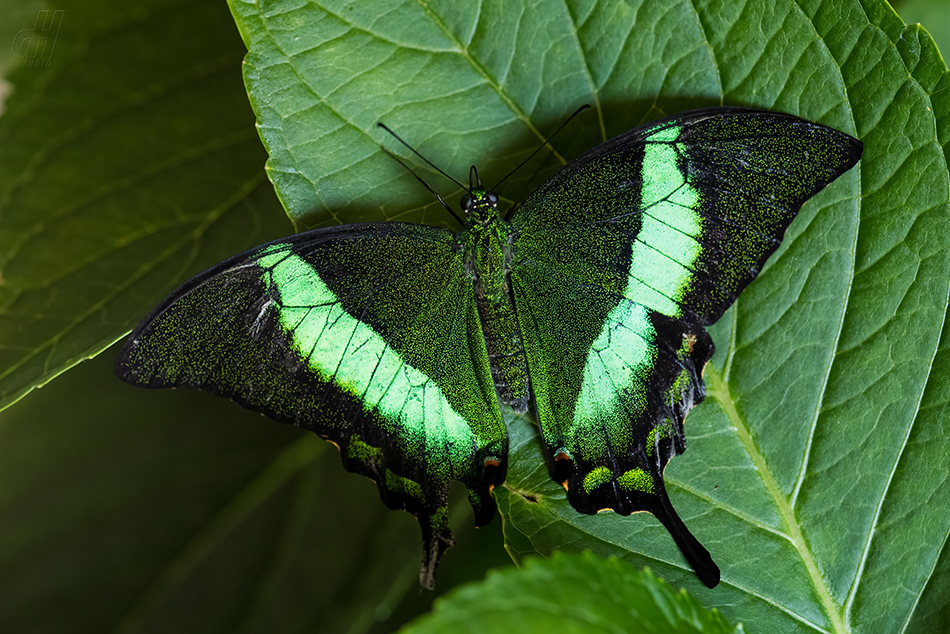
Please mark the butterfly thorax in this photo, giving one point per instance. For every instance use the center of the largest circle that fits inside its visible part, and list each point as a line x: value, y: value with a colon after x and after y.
x: 486, y: 240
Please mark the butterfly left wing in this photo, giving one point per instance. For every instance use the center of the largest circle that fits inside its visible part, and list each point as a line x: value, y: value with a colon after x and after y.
x: 367, y: 335
x: 620, y: 260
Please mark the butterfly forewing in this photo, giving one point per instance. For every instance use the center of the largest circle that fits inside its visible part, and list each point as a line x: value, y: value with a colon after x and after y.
x: 700, y: 200
x: 367, y: 335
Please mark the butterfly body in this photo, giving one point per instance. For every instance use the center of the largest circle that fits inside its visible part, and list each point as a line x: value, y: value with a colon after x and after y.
x: 397, y: 342
x: 486, y: 239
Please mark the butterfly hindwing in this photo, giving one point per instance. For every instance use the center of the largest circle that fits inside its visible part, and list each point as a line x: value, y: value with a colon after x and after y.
x: 620, y: 260
x: 367, y: 335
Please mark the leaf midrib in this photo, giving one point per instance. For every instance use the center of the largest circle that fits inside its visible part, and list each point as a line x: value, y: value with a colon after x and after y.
x: 482, y: 72
x: 720, y: 389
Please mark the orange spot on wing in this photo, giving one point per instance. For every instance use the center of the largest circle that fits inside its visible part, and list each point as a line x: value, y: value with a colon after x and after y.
x: 690, y: 342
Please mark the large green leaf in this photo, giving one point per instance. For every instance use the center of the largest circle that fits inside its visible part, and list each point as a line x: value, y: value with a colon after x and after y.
x: 571, y: 594
x: 815, y: 472
x: 806, y: 473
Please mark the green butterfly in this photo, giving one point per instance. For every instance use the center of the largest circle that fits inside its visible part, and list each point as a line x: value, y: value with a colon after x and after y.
x: 397, y: 342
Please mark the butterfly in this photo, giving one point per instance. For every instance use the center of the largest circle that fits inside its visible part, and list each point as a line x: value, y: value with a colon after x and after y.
x: 398, y: 342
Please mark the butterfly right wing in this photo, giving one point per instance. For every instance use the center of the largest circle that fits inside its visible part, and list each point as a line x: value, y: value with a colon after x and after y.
x: 367, y: 335
x: 620, y: 260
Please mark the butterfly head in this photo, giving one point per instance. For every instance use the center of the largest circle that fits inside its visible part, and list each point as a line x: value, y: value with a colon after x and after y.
x: 479, y: 199
x: 480, y: 204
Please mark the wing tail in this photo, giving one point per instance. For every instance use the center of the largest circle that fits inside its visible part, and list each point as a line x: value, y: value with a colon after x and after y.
x: 695, y: 553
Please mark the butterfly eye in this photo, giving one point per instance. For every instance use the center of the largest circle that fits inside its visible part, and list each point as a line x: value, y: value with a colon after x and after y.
x: 492, y: 199
x: 467, y: 203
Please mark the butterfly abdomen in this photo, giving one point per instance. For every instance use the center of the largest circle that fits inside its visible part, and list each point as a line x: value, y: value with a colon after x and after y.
x: 506, y: 355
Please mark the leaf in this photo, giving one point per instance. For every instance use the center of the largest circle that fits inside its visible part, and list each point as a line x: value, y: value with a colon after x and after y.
x: 466, y: 83
x: 322, y: 75
x: 804, y: 470
x: 930, y: 13
x: 570, y: 593
x: 129, y: 162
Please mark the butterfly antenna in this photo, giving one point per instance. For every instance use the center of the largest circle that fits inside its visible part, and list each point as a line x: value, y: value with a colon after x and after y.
x: 514, y: 207
x: 543, y: 144
x: 414, y: 151
x: 424, y: 184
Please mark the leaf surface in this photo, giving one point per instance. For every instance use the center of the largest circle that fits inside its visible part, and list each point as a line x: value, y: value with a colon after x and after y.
x: 580, y: 594
x: 805, y: 474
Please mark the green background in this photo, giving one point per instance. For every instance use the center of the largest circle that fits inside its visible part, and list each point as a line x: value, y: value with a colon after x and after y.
x: 816, y: 471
